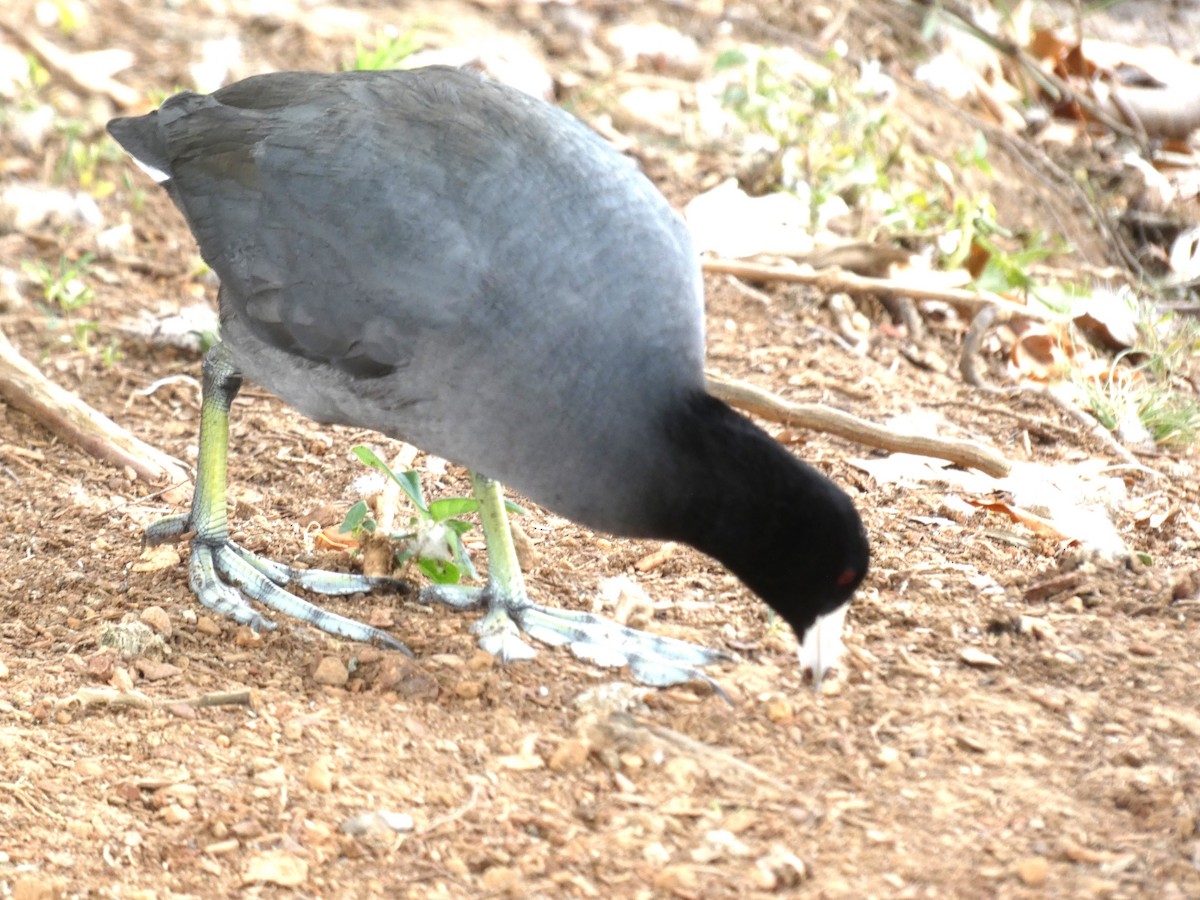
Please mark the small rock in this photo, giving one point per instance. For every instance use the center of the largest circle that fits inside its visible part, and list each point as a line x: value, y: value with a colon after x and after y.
x: 276, y: 867
x: 175, y: 815
x: 469, y: 690
x: 656, y: 854
x: 271, y: 777
x: 482, y: 661
x: 501, y: 880
x: 978, y: 659
x: 631, y: 761
x: 888, y: 758
x: 569, y: 755
x: 1033, y: 870
x: 155, y: 559
x: 727, y: 842
x: 1081, y: 854
x: 678, y: 880
x: 319, y: 776
x: 684, y: 773
x: 205, y: 625
x: 114, y: 240
x: 89, y: 768
x: 521, y: 762
x: 247, y: 638
x: 780, y: 710
x: 331, y: 671
x: 782, y: 869
x: 37, y: 887
x: 1141, y: 648
x: 156, y: 617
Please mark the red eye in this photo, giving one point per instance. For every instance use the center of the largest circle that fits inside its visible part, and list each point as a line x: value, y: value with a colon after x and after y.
x: 848, y: 577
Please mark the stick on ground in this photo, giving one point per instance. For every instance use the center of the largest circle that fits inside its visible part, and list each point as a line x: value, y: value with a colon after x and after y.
x: 25, y: 388
x: 833, y: 421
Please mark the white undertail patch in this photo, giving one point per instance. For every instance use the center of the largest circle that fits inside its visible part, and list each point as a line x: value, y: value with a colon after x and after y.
x: 158, y: 175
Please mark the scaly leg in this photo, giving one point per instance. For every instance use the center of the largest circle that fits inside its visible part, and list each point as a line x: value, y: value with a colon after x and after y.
x: 219, y: 567
x: 652, y: 659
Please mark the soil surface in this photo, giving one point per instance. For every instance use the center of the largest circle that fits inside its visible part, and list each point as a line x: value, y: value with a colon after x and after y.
x: 1014, y: 718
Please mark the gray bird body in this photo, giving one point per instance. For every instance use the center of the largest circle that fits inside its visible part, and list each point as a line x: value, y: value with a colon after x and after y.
x: 446, y: 260
x: 439, y: 333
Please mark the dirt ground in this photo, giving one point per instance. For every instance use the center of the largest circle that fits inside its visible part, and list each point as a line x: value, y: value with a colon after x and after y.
x: 1013, y: 719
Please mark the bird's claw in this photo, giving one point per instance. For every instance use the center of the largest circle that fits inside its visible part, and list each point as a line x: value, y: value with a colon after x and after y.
x: 652, y: 659
x: 226, y: 577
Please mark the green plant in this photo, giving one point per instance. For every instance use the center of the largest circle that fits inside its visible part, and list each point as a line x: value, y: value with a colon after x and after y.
x: 1145, y: 384
x: 70, y: 16
x: 387, y: 53
x: 39, y: 75
x: 1127, y: 399
x: 828, y: 138
x: 137, y: 194
x: 434, y: 538
x: 64, y: 287
x: 81, y: 159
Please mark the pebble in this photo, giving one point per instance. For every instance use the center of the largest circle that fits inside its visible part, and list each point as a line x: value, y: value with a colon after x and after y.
x: 678, y: 880
x: 1033, y: 870
x: 89, y: 768
x: 37, y: 887
x: 978, y: 659
x: 482, y: 661
x: 501, y: 880
x: 469, y: 690
x: 319, y: 776
x: 276, y: 867
x: 271, y: 777
x: 888, y: 758
x: 156, y: 617
x: 175, y: 815
x: 780, y: 710
x: 568, y: 756
x: 206, y: 625
x: 331, y: 671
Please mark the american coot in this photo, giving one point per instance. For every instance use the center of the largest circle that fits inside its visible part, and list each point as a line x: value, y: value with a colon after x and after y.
x: 446, y: 260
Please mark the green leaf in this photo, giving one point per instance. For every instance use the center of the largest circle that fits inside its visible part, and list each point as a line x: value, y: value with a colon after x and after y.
x: 452, y: 506
x: 514, y: 508
x: 461, y: 557
x: 354, y: 518
x: 729, y: 59
x: 439, y: 571
x: 410, y: 482
x: 458, y: 526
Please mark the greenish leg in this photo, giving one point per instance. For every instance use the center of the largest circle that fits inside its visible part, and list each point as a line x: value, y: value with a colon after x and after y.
x: 226, y: 576
x: 652, y: 659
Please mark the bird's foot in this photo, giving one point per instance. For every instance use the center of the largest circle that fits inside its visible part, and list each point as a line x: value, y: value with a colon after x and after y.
x: 226, y: 577
x: 652, y: 659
